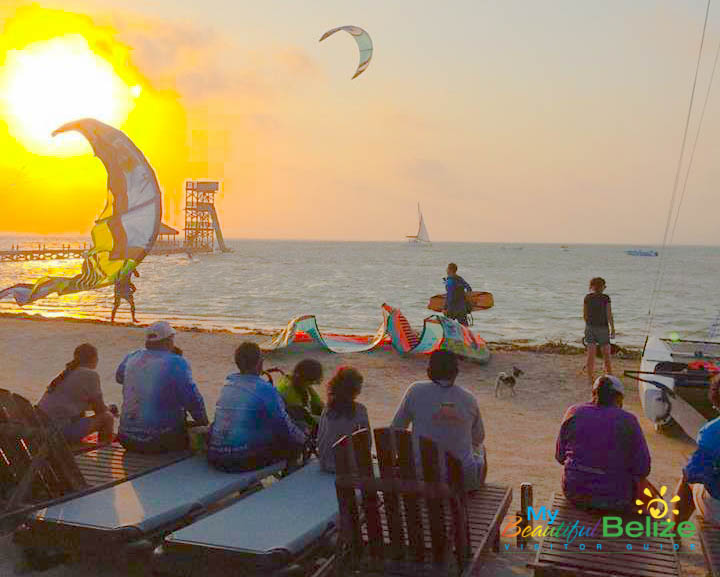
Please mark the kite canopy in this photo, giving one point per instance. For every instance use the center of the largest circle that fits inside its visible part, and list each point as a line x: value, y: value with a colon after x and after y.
x: 126, y: 229
x: 439, y: 332
x: 364, y: 43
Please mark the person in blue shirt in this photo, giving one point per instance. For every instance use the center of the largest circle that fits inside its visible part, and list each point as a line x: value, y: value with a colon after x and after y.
x: 158, y: 390
x: 699, y: 488
x: 252, y: 429
x: 456, y: 288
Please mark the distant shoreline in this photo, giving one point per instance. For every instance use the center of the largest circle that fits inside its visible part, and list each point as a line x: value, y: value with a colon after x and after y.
x: 557, y: 347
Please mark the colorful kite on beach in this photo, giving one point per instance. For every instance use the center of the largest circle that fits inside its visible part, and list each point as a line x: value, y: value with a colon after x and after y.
x: 127, y: 227
x: 364, y: 43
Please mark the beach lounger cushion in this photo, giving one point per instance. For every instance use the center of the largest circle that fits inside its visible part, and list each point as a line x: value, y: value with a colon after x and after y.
x: 267, y: 530
x: 149, y: 502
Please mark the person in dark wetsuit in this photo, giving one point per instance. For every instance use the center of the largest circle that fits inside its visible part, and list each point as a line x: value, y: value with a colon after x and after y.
x: 455, y: 303
x: 599, y: 326
x: 124, y: 289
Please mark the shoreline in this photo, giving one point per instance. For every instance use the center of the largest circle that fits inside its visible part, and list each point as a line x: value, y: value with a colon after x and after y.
x: 557, y: 347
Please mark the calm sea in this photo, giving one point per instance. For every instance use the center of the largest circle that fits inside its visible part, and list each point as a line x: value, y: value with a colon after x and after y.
x: 538, y: 288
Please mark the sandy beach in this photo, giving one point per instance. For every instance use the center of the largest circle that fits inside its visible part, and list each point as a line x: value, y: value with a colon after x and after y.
x: 520, y: 430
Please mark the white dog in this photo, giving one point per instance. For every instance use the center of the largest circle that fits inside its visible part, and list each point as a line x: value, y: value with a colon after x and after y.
x: 509, y: 381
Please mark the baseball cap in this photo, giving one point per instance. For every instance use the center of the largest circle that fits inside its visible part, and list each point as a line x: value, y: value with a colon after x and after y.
x: 615, y: 383
x: 159, y: 331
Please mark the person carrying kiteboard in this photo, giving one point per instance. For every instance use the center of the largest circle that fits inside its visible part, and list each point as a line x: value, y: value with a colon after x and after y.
x: 456, y: 306
x: 124, y: 289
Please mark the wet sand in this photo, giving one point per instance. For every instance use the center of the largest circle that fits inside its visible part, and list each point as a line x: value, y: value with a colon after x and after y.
x: 520, y: 430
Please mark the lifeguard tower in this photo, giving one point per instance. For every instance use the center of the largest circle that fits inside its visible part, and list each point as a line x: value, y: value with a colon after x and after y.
x: 201, y: 221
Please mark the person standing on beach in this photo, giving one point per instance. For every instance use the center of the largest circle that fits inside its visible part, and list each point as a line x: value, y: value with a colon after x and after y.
x: 455, y: 302
x: 448, y: 415
x: 158, y: 389
x: 599, y: 326
x: 124, y: 290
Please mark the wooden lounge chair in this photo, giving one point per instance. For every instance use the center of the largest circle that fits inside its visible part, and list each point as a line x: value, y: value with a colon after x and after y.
x: 284, y: 529
x: 38, y: 468
x: 710, y: 541
x: 614, y: 558
x: 396, y: 524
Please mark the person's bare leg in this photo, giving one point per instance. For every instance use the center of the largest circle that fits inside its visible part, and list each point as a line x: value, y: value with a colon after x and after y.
x: 131, y: 300
x: 686, y: 505
x: 116, y: 305
x: 607, y: 358
x: 590, y: 363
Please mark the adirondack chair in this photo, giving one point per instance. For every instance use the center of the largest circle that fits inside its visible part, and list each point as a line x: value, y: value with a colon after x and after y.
x: 710, y: 540
x: 397, y: 524
x: 612, y: 559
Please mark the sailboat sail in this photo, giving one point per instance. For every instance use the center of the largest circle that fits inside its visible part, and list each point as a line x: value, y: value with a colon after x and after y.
x: 422, y: 235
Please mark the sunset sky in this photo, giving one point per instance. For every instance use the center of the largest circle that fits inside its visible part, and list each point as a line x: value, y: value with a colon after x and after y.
x: 508, y: 120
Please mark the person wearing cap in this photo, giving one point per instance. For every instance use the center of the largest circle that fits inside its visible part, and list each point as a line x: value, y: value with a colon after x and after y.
x: 447, y: 414
x: 699, y: 488
x: 158, y: 390
x: 603, y: 450
x: 252, y: 429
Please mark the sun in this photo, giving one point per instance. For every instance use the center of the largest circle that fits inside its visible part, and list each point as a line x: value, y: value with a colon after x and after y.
x: 55, y: 81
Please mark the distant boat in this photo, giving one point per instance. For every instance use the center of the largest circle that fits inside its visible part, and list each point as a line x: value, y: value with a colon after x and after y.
x: 640, y: 252
x: 422, y: 237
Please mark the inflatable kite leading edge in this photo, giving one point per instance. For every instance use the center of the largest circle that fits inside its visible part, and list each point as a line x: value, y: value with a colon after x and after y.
x: 439, y: 332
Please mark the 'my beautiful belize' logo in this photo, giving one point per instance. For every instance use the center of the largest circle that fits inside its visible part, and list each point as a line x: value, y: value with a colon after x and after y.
x: 656, y: 522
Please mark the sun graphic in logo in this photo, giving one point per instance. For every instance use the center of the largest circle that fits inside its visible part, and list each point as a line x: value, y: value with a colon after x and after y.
x: 657, y: 506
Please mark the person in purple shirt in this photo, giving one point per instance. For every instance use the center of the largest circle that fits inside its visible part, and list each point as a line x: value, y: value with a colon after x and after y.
x: 603, y: 450
x: 158, y: 390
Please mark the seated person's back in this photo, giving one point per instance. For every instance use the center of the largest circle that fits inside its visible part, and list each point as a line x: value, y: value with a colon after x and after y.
x: 448, y: 415
x: 342, y: 416
x: 603, y: 450
x: 302, y: 403
x: 252, y: 428
x: 158, y: 390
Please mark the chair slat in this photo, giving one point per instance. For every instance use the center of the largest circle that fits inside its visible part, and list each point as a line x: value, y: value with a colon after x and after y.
x: 347, y: 504
x: 363, y: 462
x: 406, y: 466
x: 458, y: 505
x: 386, y: 460
x: 431, y: 473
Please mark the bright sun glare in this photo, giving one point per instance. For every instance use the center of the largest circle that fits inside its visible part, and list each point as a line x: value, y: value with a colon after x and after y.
x: 49, y: 83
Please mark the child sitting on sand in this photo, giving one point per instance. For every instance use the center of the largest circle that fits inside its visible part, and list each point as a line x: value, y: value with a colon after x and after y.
x: 599, y: 326
x: 302, y: 403
x: 342, y: 416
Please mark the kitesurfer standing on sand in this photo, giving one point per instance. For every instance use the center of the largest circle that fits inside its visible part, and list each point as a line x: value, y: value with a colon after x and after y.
x: 455, y: 303
x: 124, y: 289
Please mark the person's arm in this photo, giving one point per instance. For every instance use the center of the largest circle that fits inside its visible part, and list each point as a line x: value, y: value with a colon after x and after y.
x: 561, y: 444
x: 467, y: 287
x: 611, y: 321
x: 95, y: 396
x: 276, y: 407
x: 585, y: 310
x: 403, y: 416
x: 639, y: 454
x: 316, y: 403
x: 478, y: 430
x: 188, y: 394
x: 448, y: 289
x: 120, y: 372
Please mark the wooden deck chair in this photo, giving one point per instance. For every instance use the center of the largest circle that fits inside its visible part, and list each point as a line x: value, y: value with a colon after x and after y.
x: 37, y: 468
x: 649, y: 556
x: 710, y: 541
x: 393, y: 523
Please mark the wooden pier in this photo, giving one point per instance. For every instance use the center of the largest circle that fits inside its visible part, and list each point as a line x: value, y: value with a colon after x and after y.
x: 42, y: 252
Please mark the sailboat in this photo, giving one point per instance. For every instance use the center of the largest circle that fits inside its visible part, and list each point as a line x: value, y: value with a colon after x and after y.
x: 422, y: 237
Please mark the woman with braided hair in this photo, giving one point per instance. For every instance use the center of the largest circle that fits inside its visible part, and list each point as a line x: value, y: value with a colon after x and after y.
x: 75, y: 391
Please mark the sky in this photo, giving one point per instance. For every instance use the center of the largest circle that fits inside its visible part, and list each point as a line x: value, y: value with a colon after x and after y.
x: 507, y: 120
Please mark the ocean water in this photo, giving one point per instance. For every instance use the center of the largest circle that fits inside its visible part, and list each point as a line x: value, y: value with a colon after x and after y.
x: 262, y: 284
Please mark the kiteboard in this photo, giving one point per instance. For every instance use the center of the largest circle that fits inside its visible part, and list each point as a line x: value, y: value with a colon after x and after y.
x: 479, y: 301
